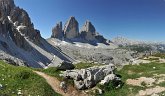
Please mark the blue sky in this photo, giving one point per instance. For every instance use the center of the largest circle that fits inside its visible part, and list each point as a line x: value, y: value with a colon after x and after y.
x: 134, y: 19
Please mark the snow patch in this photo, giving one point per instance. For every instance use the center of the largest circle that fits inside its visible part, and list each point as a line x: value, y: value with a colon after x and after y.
x: 9, y: 36
x: 78, y: 45
x: 9, y: 18
x: 20, y: 27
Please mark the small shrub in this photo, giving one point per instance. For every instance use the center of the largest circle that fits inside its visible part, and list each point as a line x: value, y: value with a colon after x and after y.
x: 23, y: 75
x: 112, y: 85
x: 143, y: 84
x: 161, y: 55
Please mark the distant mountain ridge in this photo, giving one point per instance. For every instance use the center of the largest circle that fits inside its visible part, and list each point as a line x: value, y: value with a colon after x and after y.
x: 126, y: 41
x: 154, y: 46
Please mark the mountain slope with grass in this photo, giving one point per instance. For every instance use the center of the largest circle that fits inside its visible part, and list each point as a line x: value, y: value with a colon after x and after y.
x: 16, y: 81
x: 139, y: 80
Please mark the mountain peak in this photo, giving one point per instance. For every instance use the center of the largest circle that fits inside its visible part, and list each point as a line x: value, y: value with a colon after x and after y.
x: 57, y: 31
x: 88, y: 27
x: 15, y: 20
x: 72, y: 17
x: 71, y: 31
x: 71, y: 28
x: 5, y: 7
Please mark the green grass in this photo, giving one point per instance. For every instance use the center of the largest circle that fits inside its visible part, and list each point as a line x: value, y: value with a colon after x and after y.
x: 152, y: 59
x: 161, y: 55
x: 127, y: 72
x: 31, y: 83
x: 132, y: 72
x: 22, y: 78
x: 52, y: 71
x: 142, y: 70
x: 82, y: 65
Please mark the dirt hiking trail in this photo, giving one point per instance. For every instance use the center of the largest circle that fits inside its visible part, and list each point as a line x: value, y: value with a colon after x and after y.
x: 55, y: 84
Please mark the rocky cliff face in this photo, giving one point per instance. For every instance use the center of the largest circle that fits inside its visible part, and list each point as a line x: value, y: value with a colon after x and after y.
x: 71, y: 29
x: 5, y: 7
x: 16, y: 24
x: 88, y: 31
x: 22, y: 42
x: 57, y: 31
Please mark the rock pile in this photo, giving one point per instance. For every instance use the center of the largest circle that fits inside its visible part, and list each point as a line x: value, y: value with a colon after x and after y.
x: 87, y: 78
x: 71, y: 31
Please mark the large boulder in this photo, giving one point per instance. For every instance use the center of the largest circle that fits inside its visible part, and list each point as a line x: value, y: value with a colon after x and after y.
x: 79, y: 84
x: 87, y: 78
x: 71, y: 28
x: 65, y: 66
x: 57, y: 31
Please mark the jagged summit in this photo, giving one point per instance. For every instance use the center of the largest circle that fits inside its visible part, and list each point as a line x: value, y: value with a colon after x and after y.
x: 14, y: 20
x: 71, y: 28
x: 6, y: 6
x: 71, y: 31
x: 21, y: 42
x: 88, y: 27
x: 88, y: 31
x: 57, y: 31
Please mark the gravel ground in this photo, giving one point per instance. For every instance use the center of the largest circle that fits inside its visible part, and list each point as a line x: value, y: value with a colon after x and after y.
x: 101, y: 53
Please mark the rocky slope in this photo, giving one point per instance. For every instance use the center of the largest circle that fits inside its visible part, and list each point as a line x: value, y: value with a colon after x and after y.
x: 84, y: 52
x: 21, y: 42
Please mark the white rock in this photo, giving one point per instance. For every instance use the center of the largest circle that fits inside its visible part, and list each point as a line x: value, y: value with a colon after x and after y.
x: 107, y: 79
x: 1, y: 86
x: 19, y: 93
x: 87, y: 78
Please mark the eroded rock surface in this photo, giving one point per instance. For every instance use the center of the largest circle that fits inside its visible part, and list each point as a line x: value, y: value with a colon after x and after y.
x: 87, y: 78
x: 21, y: 40
x: 57, y: 31
x: 71, y: 32
x: 71, y: 28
